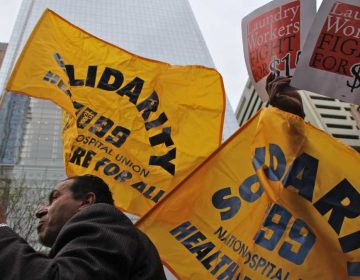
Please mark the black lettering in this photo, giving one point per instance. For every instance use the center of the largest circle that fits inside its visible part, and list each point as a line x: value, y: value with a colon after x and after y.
x: 254, y: 260
x: 202, y: 250
x: 353, y: 269
x: 77, y: 155
x: 107, y: 75
x: 193, y: 239
x: 208, y: 260
x: 77, y: 106
x: 163, y: 137
x: 302, y: 175
x: 276, y: 156
x: 261, y: 263
x: 111, y: 169
x: 183, y: 230
x: 88, y: 157
x: 101, y: 126
x: 91, y: 76
x: 324, y: 40
x: 342, y: 69
x: 121, y: 134
x: 123, y: 176
x: 101, y: 163
x: 159, y: 121
x: 350, y: 242
x: 222, y: 200
x: 132, y: 90
x: 149, y: 105
x: 85, y: 118
x: 224, y: 260
x: 149, y: 191
x: 158, y: 196
x: 164, y: 161
x: 349, y: 51
x: 71, y: 74
x: 329, y: 63
x: 333, y: 200
x: 229, y: 272
x: 316, y: 59
x: 246, y: 190
x: 220, y: 233
x: 140, y: 186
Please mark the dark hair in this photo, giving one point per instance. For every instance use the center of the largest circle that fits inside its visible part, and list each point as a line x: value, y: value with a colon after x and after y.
x: 84, y: 184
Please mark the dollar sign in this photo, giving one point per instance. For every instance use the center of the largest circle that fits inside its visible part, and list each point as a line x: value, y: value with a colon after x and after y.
x: 275, y: 62
x: 355, y: 70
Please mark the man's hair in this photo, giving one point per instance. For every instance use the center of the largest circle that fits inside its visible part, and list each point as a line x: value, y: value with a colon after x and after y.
x: 82, y: 185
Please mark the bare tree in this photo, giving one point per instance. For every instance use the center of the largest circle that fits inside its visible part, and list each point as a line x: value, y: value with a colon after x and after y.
x: 20, y: 202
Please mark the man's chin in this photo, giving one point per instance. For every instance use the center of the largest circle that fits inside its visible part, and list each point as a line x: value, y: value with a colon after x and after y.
x: 44, y: 241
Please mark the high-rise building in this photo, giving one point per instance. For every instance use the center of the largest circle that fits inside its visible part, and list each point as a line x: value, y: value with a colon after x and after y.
x: 331, y: 115
x: 3, y: 47
x: 158, y: 29
x: 30, y: 138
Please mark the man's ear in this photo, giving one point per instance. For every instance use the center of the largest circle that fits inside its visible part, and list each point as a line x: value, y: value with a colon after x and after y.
x: 89, y: 200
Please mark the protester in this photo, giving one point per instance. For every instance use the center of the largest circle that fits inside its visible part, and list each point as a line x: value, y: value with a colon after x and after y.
x: 88, y: 236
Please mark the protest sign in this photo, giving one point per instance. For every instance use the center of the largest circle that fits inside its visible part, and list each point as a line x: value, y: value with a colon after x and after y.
x: 140, y: 124
x: 273, y: 36
x: 330, y: 63
x: 279, y: 200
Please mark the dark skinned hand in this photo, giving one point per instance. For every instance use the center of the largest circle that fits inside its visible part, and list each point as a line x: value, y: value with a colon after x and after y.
x: 283, y: 96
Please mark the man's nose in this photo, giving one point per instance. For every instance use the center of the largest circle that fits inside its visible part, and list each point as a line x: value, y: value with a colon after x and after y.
x: 41, y: 212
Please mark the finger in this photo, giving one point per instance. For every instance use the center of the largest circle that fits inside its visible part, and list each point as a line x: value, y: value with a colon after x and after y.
x: 281, y: 85
x: 269, y: 79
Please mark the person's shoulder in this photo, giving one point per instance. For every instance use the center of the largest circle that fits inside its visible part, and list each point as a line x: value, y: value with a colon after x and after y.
x: 102, y: 212
x: 101, y: 207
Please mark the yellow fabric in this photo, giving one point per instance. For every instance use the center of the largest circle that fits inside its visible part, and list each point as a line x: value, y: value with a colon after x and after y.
x: 130, y: 111
x: 302, y: 224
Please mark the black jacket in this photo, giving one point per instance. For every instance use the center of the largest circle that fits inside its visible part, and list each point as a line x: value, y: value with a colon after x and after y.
x: 98, y: 243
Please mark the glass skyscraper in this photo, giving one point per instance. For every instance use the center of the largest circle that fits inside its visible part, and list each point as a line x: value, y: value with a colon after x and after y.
x: 158, y: 29
x: 3, y: 47
x: 30, y: 129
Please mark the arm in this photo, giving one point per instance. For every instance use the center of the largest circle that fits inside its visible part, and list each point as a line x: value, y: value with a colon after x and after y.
x: 84, y: 249
x: 18, y: 260
x: 283, y: 96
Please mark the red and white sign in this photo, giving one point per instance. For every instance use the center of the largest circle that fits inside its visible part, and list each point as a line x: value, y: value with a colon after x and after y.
x: 330, y: 64
x: 272, y: 39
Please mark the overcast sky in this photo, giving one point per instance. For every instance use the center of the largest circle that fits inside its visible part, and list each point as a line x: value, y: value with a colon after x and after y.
x: 220, y: 24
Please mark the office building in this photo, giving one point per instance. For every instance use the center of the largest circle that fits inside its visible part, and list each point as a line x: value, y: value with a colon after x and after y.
x: 3, y: 47
x: 159, y: 29
x: 337, y: 118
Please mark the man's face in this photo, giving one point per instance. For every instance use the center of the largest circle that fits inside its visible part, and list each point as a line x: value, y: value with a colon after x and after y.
x: 61, y: 207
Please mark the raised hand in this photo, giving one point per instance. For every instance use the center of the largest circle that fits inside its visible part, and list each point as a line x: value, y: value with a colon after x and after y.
x: 284, y: 96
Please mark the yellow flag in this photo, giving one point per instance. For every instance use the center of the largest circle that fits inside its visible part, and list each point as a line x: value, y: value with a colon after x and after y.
x: 279, y: 200
x: 140, y: 124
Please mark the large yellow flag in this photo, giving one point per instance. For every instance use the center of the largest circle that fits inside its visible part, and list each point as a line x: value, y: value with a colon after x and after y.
x: 279, y: 200
x: 140, y: 124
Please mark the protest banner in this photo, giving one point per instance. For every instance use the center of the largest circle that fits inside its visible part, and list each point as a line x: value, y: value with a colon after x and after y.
x: 273, y: 36
x: 140, y: 124
x: 330, y: 63
x: 278, y: 200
